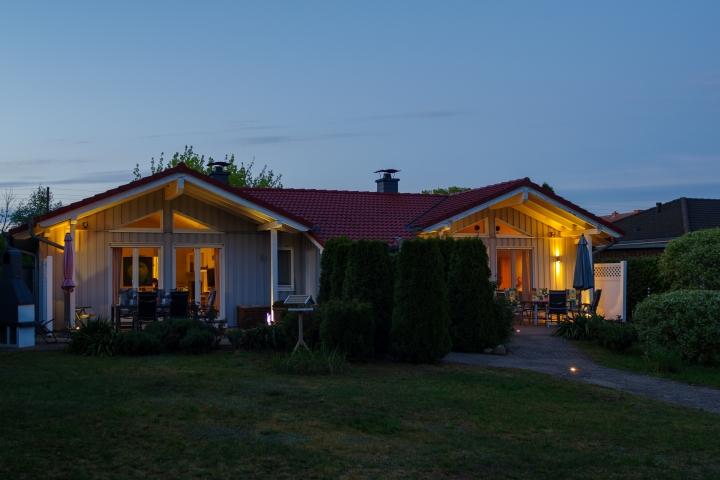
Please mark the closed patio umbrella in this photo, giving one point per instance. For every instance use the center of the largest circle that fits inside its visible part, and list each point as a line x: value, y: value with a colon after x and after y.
x: 584, y: 278
x: 68, y: 286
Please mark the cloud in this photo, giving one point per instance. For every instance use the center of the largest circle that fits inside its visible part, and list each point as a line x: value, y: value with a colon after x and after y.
x: 40, y: 162
x: 274, y: 139
x: 191, y: 134
x: 415, y: 115
x: 86, y: 179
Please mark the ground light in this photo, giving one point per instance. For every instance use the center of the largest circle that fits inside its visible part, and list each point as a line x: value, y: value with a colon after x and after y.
x: 573, y: 369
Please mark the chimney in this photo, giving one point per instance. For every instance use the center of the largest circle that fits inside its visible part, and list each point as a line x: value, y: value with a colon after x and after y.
x: 387, y: 182
x: 219, y: 173
x: 658, y: 205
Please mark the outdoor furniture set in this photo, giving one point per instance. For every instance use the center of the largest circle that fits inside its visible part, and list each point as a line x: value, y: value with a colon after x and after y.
x: 145, y: 307
x: 557, y: 303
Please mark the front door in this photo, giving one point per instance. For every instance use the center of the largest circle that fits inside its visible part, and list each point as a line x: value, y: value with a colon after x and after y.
x: 514, y: 270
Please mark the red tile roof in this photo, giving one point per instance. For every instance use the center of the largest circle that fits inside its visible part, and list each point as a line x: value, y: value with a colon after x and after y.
x: 331, y: 213
x: 615, y: 216
x: 372, y: 215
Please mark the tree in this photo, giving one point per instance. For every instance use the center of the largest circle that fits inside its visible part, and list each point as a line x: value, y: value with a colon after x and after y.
x: 470, y: 295
x: 692, y: 261
x: 37, y: 204
x: 7, y: 202
x: 447, y: 191
x: 421, y: 321
x: 332, y: 268
x: 547, y: 186
x: 369, y: 279
x: 240, y: 176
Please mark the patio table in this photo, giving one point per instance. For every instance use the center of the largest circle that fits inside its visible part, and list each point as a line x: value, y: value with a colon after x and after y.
x: 535, y: 305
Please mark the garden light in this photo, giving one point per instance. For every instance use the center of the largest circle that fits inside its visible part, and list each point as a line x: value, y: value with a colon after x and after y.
x: 573, y: 369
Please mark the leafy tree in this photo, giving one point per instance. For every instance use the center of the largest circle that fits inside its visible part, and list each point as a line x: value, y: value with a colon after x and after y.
x: 547, y: 186
x: 421, y: 322
x: 446, y: 191
x: 369, y: 279
x: 692, y: 261
x: 470, y: 295
x: 32, y: 207
x: 240, y: 176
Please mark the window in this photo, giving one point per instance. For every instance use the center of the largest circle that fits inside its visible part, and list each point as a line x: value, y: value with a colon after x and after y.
x: 285, y: 268
x: 148, y: 223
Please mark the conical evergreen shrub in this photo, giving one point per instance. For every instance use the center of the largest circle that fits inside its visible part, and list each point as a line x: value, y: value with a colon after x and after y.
x: 369, y: 279
x: 332, y: 268
x: 421, y: 323
x: 470, y: 295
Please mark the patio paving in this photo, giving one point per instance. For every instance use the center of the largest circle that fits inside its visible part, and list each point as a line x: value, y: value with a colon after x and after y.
x: 533, y: 348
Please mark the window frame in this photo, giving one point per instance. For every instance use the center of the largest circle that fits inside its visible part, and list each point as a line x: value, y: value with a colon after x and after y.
x: 291, y: 286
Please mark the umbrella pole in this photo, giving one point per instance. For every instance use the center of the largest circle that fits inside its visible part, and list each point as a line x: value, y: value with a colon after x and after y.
x: 67, y: 310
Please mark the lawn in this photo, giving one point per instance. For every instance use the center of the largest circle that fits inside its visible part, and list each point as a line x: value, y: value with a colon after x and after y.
x: 229, y: 416
x: 632, y: 361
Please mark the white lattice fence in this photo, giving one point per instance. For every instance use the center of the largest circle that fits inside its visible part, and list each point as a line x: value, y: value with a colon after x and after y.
x: 612, y: 279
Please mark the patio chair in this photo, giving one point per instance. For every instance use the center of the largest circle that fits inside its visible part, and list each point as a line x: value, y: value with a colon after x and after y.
x: 591, y: 308
x: 204, y: 312
x: 45, y: 332
x: 557, y: 305
x: 146, y: 309
x: 179, y: 303
x: 511, y: 296
x: 127, y: 306
x: 572, y: 299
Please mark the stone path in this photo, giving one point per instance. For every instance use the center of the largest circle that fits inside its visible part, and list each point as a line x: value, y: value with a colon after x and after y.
x: 533, y: 348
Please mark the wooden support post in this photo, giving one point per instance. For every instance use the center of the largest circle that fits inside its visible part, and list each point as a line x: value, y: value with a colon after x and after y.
x: 301, y: 340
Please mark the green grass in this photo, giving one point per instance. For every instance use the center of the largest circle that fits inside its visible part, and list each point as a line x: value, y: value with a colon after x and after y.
x: 632, y: 360
x: 228, y: 416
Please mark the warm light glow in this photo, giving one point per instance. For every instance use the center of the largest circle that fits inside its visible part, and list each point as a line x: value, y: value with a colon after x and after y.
x: 518, y: 331
x: 268, y: 318
x: 572, y: 369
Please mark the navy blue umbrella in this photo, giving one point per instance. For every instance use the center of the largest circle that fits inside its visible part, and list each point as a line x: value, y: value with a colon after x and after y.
x: 584, y: 278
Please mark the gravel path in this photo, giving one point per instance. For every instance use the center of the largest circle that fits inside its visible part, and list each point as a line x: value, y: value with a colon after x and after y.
x: 534, y: 349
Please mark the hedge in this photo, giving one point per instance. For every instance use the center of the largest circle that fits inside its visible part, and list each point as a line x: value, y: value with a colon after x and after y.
x: 642, y: 272
x: 421, y: 321
x: 683, y: 321
x: 692, y: 261
x: 470, y: 297
x: 332, y: 268
x: 348, y: 327
x: 369, y: 279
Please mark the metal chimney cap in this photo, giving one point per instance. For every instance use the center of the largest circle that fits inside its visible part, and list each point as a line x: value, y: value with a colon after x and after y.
x: 391, y: 171
x: 222, y: 164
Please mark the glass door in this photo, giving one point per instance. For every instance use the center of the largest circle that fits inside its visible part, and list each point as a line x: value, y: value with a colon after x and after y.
x: 197, y: 270
x: 513, y: 269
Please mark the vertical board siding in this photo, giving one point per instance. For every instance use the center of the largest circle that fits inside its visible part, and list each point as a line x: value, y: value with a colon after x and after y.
x: 245, y: 252
x: 545, y: 274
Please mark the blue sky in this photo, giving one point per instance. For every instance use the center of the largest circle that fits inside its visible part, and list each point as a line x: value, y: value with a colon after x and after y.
x: 616, y: 104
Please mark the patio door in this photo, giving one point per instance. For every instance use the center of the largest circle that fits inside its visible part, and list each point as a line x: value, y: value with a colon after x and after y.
x: 135, y: 267
x: 514, y: 270
x: 198, y: 271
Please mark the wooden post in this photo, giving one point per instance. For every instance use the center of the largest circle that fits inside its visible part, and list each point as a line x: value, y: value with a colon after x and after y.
x: 301, y: 340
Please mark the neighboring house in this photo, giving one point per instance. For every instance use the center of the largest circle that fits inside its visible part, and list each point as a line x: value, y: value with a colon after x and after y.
x: 647, y: 232
x: 254, y: 246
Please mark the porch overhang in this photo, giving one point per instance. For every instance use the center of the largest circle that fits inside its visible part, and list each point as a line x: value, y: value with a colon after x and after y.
x: 535, y: 204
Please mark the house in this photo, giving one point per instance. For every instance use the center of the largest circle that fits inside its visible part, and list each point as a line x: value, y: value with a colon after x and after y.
x: 647, y: 232
x: 253, y: 246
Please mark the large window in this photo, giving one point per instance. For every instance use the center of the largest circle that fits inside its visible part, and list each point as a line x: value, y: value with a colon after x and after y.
x: 285, y: 269
x: 197, y: 270
x: 513, y: 270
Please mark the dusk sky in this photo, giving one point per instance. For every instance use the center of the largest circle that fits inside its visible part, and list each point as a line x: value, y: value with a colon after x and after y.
x: 615, y: 104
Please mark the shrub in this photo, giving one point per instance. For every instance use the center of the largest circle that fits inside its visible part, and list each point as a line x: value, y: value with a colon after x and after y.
x: 470, y: 297
x: 348, y: 327
x: 692, y: 261
x: 137, y: 343
x: 94, y: 338
x: 580, y: 327
x: 237, y: 338
x: 642, y: 273
x: 311, y: 329
x: 171, y: 331
x: 684, y: 321
x: 332, y: 268
x: 505, y: 319
x: 197, y: 340
x: 616, y: 336
x: 311, y: 362
x: 265, y: 337
x: 420, y: 322
x: 369, y: 279
x: 662, y: 360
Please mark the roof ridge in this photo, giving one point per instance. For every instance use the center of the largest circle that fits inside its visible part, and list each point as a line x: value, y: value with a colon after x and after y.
x: 369, y: 192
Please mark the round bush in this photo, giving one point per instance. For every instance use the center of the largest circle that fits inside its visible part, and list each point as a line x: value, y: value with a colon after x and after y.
x: 137, y: 343
x: 171, y: 331
x: 349, y: 327
x: 692, y: 261
x: 686, y: 321
x: 237, y: 337
x: 197, y: 341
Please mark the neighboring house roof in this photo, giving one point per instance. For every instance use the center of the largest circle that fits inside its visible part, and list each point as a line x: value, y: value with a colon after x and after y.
x: 655, y: 227
x: 331, y: 213
x: 615, y: 216
x: 371, y: 215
